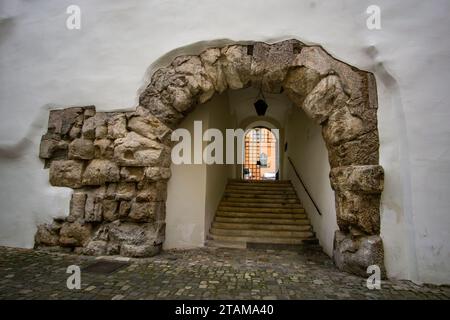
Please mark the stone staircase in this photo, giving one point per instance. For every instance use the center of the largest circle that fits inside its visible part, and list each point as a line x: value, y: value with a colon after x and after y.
x: 260, y: 213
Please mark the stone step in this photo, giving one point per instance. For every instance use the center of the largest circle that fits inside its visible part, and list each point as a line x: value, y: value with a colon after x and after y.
x: 263, y: 194
x: 258, y: 196
x: 263, y: 200
x: 234, y: 214
x: 260, y: 209
x: 260, y: 205
x: 256, y: 226
x: 262, y: 220
x: 256, y: 188
x: 262, y: 233
x: 259, y: 181
x: 259, y: 239
x: 260, y: 184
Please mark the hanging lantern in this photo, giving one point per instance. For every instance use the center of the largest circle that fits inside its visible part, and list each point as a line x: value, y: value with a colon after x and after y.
x: 260, y: 104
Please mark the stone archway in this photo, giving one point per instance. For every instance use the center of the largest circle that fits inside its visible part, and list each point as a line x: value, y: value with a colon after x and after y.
x: 118, y: 163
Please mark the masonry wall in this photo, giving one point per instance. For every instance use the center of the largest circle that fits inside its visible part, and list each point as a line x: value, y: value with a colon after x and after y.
x: 46, y: 66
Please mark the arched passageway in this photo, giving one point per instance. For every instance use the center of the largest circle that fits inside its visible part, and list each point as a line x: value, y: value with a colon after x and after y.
x: 118, y: 163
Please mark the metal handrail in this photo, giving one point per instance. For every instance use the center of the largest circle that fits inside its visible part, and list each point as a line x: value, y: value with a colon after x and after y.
x: 304, y: 186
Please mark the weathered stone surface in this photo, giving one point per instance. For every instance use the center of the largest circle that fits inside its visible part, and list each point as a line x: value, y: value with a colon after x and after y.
x: 270, y: 64
x: 125, y: 191
x: 95, y: 126
x: 75, y: 234
x: 236, y: 66
x: 361, y: 151
x: 299, y: 82
x: 326, y: 97
x: 132, y: 174
x: 110, y: 210
x: 342, y: 126
x: 81, y: 149
x: 131, y: 233
x: 358, y: 213
x: 96, y: 248
x: 147, y: 250
x: 136, y: 150
x: 52, y: 146
x: 47, y: 234
x: 157, y: 173
x: 355, y: 254
x: 110, y: 191
x: 61, y: 121
x: 117, y: 126
x: 103, y: 149
x: 100, y: 171
x: 213, y: 67
x: 77, y: 205
x: 147, y: 125
x: 93, y: 211
x: 66, y: 173
x: 198, y: 83
x: 367, y: 179
x: 163, y: 111
x: 151, y: 191
x: 145, y: 211
x: 124, y: 209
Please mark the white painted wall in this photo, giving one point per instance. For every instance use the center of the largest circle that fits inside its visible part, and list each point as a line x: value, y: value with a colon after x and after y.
x: 194, y: 190
x: 309, y: 154
x: 45, y: 65
x: 217, y: 175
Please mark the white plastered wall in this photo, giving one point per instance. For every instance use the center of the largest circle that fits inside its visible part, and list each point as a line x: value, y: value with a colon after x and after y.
x: 43, y: 65
x: 307, y: 150
x: 194, y: 190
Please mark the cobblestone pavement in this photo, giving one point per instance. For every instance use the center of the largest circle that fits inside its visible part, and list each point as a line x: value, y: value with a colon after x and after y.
x: 206, y: 273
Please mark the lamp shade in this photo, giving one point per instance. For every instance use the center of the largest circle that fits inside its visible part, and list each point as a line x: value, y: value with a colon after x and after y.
x: 261, y: 107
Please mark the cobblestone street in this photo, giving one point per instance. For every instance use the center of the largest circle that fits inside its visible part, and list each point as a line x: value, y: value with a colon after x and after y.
x: 197, y: 274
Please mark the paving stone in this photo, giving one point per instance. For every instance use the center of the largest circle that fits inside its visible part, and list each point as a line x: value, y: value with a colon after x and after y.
x: 204, y: 273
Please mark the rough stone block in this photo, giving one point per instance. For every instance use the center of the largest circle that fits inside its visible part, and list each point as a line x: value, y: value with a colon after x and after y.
x: 100, y: 171
x: 110, y: 210
x: 355, y: 254
x: 132, y: 174
x: 93, y: 208
x: 81, y: 149
x: 138, y: 251
x: 366, y: 179
x: 151, y: 191
x: 75, y: 234
x: 117, y: 126
x: 125, y: 191
x: 147, y: 125
x: 104, y: 149
x: 145, y: 211
x: 358, y: 213
x: 47, y: 234
x: 270, y: 64
x: 66, y: 173
x: 52, y: 146
x: 157, y: 173
x: 136, y: 150
x: 124, y: 209
x: 77, y: 205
